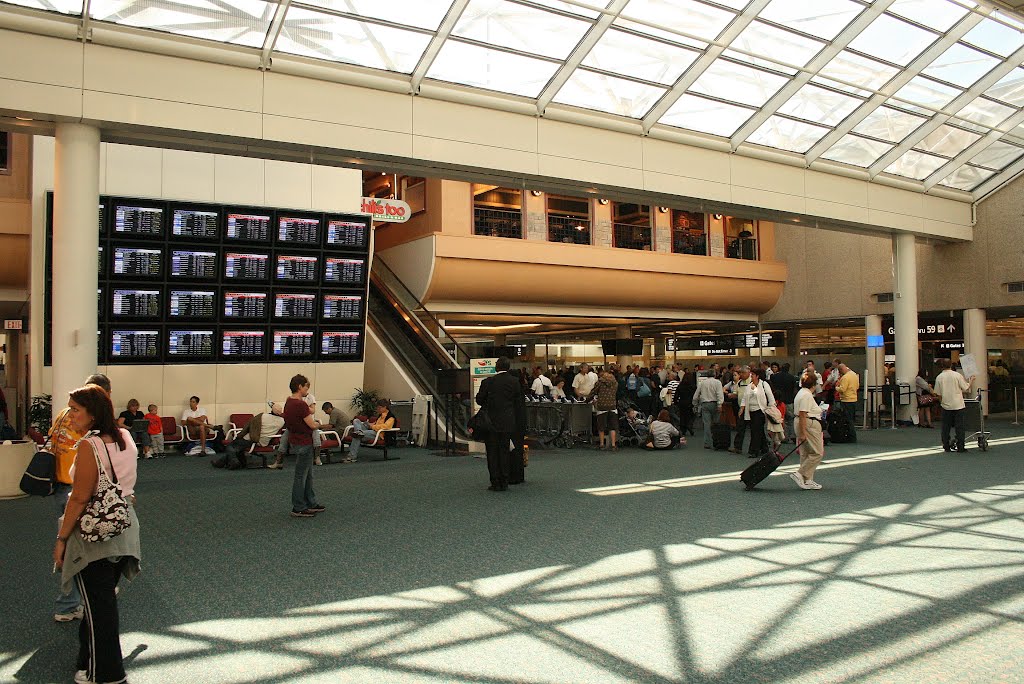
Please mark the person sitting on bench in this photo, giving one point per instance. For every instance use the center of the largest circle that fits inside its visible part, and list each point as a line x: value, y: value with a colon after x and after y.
x: 198, y: 427
x: 261, y: 428
x: 366, y: 431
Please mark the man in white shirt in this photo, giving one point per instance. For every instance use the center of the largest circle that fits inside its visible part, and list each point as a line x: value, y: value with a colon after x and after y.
x: 541, y: 383
x: 584, y: 382
x: 810, y: 370
x: 950, y: 387
x: 708, y: 399
x: 197, y: 425
x: 739, y: 394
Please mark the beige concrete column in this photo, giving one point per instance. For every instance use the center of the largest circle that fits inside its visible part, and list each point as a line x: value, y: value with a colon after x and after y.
x: 601, y: 224
x: 976, y: 343
x: 535, y: 213
x: 662, y: 230
x: 75, y: 236
x: 874, y: 373
x: 905, y: 314
x: 716, y: 235
x: 624, y: 332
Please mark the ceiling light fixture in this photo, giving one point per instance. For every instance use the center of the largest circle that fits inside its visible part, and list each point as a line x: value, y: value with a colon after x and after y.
x: 535, y: 193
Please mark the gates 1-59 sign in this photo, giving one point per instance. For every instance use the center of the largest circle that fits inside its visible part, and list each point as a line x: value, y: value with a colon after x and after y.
x: 929, y: 328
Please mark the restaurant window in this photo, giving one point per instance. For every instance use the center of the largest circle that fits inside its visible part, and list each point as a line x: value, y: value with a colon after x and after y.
x: 740, y: 238
x: 631, y: 226
x: 414, y: 193
x: 568, y: 220
x: 689, y: 233
x: 5, y: 152
x: 497, y: 212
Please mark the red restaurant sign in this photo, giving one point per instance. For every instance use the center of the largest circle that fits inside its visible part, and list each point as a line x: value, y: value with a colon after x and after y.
x: 393, y: 211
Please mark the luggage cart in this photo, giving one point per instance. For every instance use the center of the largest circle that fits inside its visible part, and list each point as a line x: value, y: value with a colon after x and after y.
x: 974, y: 421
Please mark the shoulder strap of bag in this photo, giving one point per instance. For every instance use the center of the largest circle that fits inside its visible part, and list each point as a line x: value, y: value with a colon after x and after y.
x: 103, y: 448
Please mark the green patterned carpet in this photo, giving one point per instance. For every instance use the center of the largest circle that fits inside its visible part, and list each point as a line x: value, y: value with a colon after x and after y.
x: 605, y: 567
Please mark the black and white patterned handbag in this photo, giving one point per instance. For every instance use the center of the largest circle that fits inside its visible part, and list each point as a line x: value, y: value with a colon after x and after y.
x: 106, y: 515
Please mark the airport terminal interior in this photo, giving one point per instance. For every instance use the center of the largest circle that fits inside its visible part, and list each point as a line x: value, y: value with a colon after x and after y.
x: 609, y: 209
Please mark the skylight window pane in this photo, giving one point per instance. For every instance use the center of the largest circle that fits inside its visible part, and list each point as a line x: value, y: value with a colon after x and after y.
x: 239, y: 22
x: 893, y: 40
x: 916, y: 165
x: 947, y: 141
x: 653, y: 32
x: 985, y: 112
x: 738, y: 83
x: 940, y: 15
x: 961, y: 66
x: 324, y: 36
x: 62, y: 6
x: 519, y: 27
x: 631, y: 55
x: 426, y: 14
x: 693, y: 18
x: 607, y: 94
x: 967, y: 178
x: 1010, y: 88
x: 995, y: 37
x: 493, y: 69
x: 561, y: 6
x: 781, y: 46
x: 821, y: 18
x: 857, y: 151
x: 927, y: 93
x: 860, y: 71
x: 998, y: 155
x: 787, y: 134
x: 812, y: 103
x: 706, y: 116
x: 734, y: 4
x: 889, y: 124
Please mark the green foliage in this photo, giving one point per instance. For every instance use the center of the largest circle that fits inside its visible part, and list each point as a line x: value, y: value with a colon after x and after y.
x: 364, y: 401
x: 39, y: 412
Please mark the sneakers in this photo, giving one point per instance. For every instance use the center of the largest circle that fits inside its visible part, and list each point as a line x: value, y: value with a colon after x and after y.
x: 811, y: 484
x: 319, y: 508
x: 798, y: 478
x: 210, y: 451
x: 304, y: 514
x: 76, y: 614
x: 276, y: 465
x: 733, y: 450
x: 194, y: 451
x: 348, y: 460
x: 317, y: 461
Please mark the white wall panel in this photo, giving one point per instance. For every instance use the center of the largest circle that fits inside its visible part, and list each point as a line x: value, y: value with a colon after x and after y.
x: 890, y: 219
x: 280, y: 374
x: 336, y: 382
x: 895, y: 201
x: 692, y: 162
x: 134, y: 171
x: 687, y: 187
x: 183, y: 381
x: 573, y: 141
x: 336, y: 188
x: 303, y: 98
x: 175, y: 116
x: 144, y: 383
x: 242, y: 383
x: 766, y: 175
x: 39, y: 59
x: 39, y: 99
x: 239, y: 180
x: 288, y: 185
x: 469, y: 154
x: 827, y: 186
x: 769, y: 200
x: 464, y: 123
x: 188, y: 175
x: 590, y: 172
x: 336, y: 136
x: 843, y: 212
x: 941, y: 209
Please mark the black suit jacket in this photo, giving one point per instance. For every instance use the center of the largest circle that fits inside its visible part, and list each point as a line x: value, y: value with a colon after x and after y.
x: 501, y: 396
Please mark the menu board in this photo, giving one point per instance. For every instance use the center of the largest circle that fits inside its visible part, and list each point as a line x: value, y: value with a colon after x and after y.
x: 192, y: 264
x: 297, y: 306
x: 347, y: 233
x: 341, y: 344
x: 246, y: 266
x: 247, y: 226
x: 132, y: 344
x: 298, y: 230
x: 131, y: 219
x: 138, y: 262
x: 344, y: 271
x: 245, y: 305
x: 342, y: 307
x: 202, y: 224
x: 297, y: 268
x: 192, y: 344
x: 132, y: 303
x: 196, y: 304
x: 293, y: 344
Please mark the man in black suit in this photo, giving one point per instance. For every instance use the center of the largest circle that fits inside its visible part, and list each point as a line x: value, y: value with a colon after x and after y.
x: 501, y: 396
x: 784, y: 387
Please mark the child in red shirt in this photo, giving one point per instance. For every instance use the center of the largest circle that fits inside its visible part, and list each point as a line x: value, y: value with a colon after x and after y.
x: 156, y: 432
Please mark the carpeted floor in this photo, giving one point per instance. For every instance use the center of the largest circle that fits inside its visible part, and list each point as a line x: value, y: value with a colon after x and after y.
x: 605, y: 567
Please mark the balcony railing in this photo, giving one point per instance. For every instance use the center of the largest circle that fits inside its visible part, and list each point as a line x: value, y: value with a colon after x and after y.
x: 689, y: 243
x: 569, y: 229
x: 497, y: 222
x: 742, y: 248
x: 628, y: 236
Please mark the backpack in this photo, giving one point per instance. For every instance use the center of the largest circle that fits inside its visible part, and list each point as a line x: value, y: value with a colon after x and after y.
x: 631, y: 382
x: 41, y: 474
x: 645, y: 390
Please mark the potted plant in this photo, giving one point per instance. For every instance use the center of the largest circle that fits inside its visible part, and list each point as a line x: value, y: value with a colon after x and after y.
x: 364, y: 401
x: 40, y: 412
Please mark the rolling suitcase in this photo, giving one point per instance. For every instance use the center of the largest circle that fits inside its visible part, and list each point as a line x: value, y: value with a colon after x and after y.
x: 763, y: 467
x: 721, y: 436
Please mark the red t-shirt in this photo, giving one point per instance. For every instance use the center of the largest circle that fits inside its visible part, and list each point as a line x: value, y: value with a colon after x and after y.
x: 295, y: 412
x: 156, y: 426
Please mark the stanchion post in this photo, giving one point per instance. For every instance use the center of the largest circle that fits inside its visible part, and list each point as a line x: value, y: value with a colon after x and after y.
x: 1016, y: 421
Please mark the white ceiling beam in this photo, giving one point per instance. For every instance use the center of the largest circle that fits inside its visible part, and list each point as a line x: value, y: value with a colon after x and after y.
x: 901, y: 79
x: 696, y: 69
x: 565, y: 71
x: 276, y: 24
x: 999, y: 180
x: 933, y: 124
x: 838, y: 44
x: 974, y: 150
x: 434, y: 47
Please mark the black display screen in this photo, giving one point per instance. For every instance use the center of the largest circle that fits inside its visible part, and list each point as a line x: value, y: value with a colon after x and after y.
x: 193, y: 344
x: 296, y: 268
x: 193, y: 264
x: 244, y: 344
x: 138, y: 262
x: 100, y: 261
x: 140, y: 345
x: 342, y: 307
x: 341, y: 344
x: 246, y: 266
x: 351, y: 234
x: 103, y: 218
x: 298, y: 230
x: 298, y: 306
x: 246, y: 226
x: 293, y: 343
x: 245, y: 305
x: 132, y: 303
x: 345, y: 271
x: 203, y: 224
x: 138, y: 220
x: 193, y: 304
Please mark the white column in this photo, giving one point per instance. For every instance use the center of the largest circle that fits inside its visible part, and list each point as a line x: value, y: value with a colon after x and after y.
x: 975, y: 342
x: 904, y: 259
x: 75, y: 236
x: 624, y: 332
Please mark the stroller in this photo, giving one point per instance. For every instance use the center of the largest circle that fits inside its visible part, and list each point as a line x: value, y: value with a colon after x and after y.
x: 633, y: 431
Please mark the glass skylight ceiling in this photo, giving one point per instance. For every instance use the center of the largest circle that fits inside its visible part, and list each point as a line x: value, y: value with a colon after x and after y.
x: 928, y: 90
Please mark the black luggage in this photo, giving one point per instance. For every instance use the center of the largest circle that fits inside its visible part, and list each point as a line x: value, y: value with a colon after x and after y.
x: 721, y: 436
x: 839, y: 428
x: 763, y: 467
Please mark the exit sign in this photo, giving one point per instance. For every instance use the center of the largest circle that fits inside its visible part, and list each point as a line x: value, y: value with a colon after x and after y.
x: 12, y: 324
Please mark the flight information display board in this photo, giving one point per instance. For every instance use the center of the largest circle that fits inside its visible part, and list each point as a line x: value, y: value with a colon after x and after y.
x: 296, y: 230
x: 243, y: 344
x: 341, y: 344
x: 139, y: 345
x: 344, y: 271
x: 138, y: 219
x: 133, y: 303
x: 190, y: 344
x: 297, y: 268
x: 193, y: 304
x: 342, y: 307
x: 247, y: 226
x: 295, y: 306
x: 201, y: 224
x: 293, y: 344
x: 193, y: 264
x: 245, y: 305
x: 137, y: 262
x: 246, y: 266
x: 348, y: 234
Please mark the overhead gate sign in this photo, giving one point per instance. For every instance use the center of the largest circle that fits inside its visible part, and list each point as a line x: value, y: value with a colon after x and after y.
x: 929, y: 328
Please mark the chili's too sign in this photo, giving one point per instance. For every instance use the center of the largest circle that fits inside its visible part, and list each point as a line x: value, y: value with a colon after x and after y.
x: 390, y: 210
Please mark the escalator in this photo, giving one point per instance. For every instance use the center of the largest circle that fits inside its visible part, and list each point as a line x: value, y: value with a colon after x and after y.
x: 404, y: 326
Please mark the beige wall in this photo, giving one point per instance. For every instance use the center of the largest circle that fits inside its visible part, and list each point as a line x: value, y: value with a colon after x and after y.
x: 169, y: 174
x: 16, y: 215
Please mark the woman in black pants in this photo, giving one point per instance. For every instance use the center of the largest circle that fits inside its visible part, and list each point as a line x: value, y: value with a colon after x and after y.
x: 684, y: 399
x: 758, y: 397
